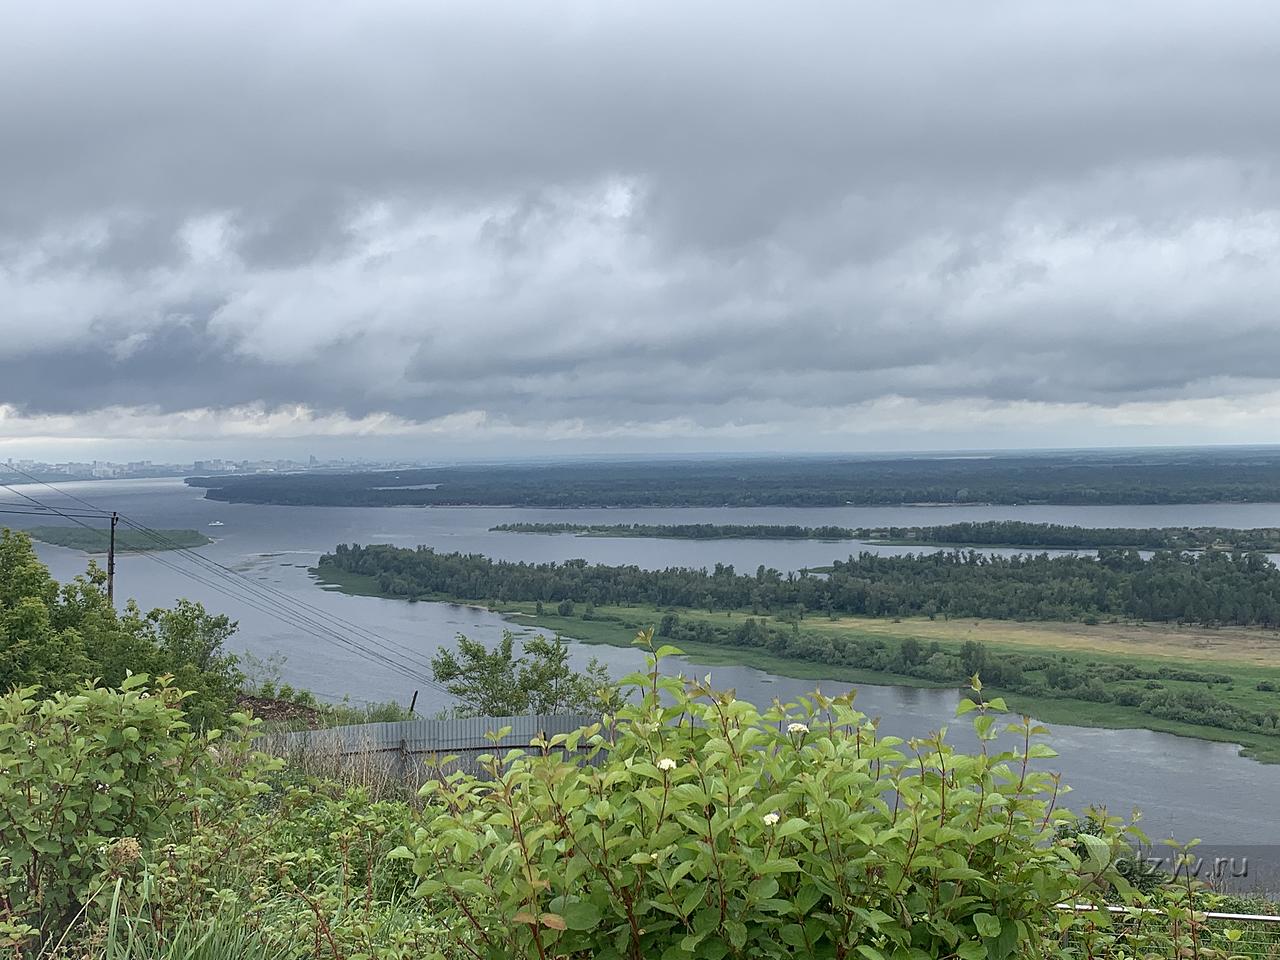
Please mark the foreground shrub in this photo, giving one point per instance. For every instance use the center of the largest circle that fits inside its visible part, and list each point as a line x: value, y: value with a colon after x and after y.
x: 300, y: 872
x: 90, y: 780
x: 701, y: 827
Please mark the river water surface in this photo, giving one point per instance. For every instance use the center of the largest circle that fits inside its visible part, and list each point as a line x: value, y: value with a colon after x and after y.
x: 1186, y: 788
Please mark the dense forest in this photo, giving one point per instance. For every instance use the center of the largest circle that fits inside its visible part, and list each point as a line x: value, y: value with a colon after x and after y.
x: 1211, y: 588
x: 1015, y: 533
x: 1089, y: 477
x: 1006, y: 533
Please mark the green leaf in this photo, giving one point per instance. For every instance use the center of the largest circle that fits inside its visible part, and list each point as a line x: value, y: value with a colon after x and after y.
x: 794, y: 825
x: 1004, y: 944
x: 1099, y: 851
x: 792, y: 935
x: 428, y: 888
x: 737, y: 931
x: 986, y: 924
x: 581, y: 915
x: 692, y: 898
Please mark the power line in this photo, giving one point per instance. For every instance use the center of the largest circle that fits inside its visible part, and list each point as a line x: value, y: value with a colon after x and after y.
x: 46, y: 514
x: 265, y: 599
x: 296, y: 607
x: 45, y: 506
x: 45, y: 483
x: 316, y: 630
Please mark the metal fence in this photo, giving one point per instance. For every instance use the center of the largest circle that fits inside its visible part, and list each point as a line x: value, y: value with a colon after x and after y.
x: 1255, y: 936
x: 405, y: 750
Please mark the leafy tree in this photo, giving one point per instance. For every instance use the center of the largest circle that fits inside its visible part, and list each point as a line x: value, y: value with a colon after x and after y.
x: 909, y: 650
x: 43, y: 629
x: 188, y: 644
x: 500, y: 683
x: 57, y: 637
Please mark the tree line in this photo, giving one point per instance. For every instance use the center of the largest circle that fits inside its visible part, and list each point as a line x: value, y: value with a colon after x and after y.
x: 1169, y: 692
x: 687, y: 531
x: 1018, y: 533
x: 996, y: 533
x: 1213, y: 587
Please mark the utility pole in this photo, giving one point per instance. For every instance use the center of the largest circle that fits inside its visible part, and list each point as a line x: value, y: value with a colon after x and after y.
x: 111, y: 561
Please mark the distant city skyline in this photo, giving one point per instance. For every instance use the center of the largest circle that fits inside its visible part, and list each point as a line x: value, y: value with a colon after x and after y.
x: 112, y: 469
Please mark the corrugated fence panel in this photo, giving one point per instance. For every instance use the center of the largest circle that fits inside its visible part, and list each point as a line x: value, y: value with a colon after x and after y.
x: 426, y: 736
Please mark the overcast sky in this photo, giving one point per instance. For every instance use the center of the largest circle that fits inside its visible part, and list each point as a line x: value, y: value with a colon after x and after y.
x: 428, y: 229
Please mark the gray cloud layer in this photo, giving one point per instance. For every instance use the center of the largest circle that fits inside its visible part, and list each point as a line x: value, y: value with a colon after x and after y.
x: 711, y: 213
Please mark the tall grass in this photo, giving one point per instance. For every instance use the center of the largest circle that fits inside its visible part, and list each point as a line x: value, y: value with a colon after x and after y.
x: 222, y: 935
x: 383, y: 774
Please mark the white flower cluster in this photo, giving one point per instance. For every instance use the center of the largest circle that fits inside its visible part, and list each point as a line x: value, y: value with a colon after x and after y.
x: 797, y: 728
x: 770, y: 819
x: 666, y: 763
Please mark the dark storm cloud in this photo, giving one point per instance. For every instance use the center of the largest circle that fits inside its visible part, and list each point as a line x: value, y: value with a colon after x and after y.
x: 179, y: 362
x: 635, y: 213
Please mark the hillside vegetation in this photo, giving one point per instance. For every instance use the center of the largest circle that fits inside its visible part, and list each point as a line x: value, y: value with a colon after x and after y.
x: 55, y: 636
x: 687, y: 825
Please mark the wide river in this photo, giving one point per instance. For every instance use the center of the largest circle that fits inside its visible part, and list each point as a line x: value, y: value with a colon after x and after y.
x: 1186, y: 788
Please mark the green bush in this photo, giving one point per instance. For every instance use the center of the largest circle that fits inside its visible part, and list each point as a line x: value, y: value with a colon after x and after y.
x: 88, y: 780
x: 701, y: 827
x: 688, y: 824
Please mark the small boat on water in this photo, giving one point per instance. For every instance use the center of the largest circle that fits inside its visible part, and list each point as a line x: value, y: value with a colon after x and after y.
x: 216, y: 523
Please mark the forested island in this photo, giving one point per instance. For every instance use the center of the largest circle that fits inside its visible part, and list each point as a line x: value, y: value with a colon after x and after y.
x: 1084, y: 477
x: 1208, y: 588
x: 127, y: 540
x: 811, y: 619
x: 686, y: 531
x: 996, y: 533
